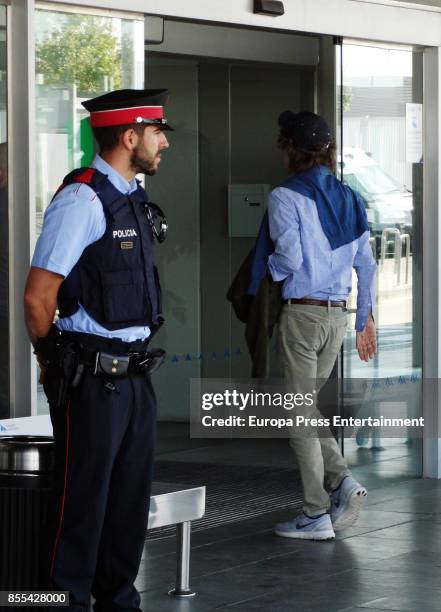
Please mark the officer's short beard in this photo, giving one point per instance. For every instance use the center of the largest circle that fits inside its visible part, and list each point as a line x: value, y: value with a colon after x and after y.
x: 140, y: 165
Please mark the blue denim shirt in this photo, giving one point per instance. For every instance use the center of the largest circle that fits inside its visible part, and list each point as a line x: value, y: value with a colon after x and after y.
x: 304, y: 260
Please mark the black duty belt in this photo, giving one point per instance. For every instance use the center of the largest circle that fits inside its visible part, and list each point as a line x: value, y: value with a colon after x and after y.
x: 101, y: 363
x: 67, y: 356
x: 312, y: 302
x: 110, y: 356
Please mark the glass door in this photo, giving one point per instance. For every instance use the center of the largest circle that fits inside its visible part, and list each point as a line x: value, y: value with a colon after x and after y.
x: 379, y: 110
x: 4, y: 223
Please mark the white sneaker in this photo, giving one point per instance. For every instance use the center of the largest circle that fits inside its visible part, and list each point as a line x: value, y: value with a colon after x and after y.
x: 346, y: 503
x: 304, y: 527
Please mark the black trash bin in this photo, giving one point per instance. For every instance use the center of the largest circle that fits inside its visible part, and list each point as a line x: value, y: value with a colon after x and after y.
x: 26, y: 473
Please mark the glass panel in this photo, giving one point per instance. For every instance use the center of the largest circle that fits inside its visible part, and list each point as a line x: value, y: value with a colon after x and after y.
x: 380, y: 97
x: 78, y: 56
x: 4, y: 227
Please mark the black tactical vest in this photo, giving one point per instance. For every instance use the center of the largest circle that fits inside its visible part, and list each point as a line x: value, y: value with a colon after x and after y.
x: 115, y: 279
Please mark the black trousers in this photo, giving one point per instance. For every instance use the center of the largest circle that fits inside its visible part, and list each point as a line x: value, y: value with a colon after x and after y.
x: 104, y: 443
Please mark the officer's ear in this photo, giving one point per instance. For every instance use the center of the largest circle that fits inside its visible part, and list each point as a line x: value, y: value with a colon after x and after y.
x: 129, y: 139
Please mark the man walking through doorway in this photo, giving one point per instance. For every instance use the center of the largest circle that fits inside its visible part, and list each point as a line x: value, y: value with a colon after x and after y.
x: 320, y: 231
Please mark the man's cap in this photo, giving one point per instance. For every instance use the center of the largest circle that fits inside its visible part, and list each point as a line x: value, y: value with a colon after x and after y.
x: 126, y: 106
x: 309, y: 132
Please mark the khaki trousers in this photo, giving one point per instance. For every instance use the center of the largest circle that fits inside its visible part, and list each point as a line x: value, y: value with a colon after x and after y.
x: 310, y: 338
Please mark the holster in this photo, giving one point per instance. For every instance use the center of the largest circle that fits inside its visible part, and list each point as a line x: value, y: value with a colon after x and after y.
x: 61, y: 359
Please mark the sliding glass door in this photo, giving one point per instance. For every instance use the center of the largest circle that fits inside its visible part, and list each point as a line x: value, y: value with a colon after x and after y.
x: 4, y: 223
x: 379, y: 108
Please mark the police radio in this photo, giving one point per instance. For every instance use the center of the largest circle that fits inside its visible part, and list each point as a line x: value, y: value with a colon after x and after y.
x: 153, y: 211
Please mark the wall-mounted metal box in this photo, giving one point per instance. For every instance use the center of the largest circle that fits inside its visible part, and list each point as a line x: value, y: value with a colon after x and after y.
x: 246, y: 207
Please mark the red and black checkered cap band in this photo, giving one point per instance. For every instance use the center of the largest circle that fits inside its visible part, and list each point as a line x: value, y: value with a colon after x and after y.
x: 124, y: 116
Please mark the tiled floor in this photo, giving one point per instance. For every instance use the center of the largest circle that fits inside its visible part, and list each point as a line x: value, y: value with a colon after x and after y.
x: 390, y: 560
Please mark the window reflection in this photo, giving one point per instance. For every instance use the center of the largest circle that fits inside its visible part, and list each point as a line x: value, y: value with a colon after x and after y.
x: 379, y: 85
x: 77, y: 57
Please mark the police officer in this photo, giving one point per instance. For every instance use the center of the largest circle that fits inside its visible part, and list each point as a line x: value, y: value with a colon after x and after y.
x: 94, y: 260
x: 320, y: 232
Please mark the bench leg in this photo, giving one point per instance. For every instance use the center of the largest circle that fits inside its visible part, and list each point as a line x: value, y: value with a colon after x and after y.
x: 182, y: 588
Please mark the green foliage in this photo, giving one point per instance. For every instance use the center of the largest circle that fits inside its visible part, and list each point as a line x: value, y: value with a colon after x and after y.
x: 83, y: 52
x: 347, y: 97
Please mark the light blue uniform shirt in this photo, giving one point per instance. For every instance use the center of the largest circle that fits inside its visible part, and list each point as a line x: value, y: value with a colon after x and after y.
x: 74, y: 220
x: 303, y: 257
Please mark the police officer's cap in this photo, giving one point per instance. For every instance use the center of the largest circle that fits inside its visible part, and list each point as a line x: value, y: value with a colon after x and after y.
x: 126, y: 106
x: 309, y: 132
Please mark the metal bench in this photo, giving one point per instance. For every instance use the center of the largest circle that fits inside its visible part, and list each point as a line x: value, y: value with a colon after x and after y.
x: 178, y: 505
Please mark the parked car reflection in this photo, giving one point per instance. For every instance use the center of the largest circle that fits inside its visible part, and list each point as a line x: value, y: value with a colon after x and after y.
x: 389, y: 204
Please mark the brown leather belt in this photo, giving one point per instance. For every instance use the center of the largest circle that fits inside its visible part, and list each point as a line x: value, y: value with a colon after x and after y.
x: 312, y: 302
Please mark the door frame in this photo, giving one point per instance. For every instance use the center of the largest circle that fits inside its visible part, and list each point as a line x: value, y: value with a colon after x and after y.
x: 365, y: 19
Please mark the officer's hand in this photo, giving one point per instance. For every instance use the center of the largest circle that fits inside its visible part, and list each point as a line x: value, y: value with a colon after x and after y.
x: 366, y: 341
x: 42, y: 364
